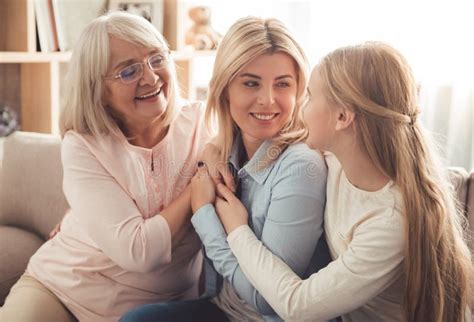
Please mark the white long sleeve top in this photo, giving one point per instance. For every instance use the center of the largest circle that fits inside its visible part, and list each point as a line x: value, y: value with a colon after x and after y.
x: 366, y: 239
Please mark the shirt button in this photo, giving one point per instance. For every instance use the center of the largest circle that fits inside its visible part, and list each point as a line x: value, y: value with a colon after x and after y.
x: 161, y: 207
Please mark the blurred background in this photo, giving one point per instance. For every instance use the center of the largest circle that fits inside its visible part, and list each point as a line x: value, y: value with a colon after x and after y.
x: 436, y: 37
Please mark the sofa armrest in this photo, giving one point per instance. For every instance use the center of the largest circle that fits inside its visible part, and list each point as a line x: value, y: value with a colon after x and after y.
x: 2, y: 140
x: 31, y: 183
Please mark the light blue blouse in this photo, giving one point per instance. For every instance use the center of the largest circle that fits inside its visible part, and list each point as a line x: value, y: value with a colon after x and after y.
x: 285, y: 202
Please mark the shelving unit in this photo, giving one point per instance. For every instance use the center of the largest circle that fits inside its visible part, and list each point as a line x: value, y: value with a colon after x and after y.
x: 188, y: 65
x: 36, y: 93
x: 30, y: 81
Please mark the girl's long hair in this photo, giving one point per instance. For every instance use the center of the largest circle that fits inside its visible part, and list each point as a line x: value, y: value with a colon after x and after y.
x: 376, y: 82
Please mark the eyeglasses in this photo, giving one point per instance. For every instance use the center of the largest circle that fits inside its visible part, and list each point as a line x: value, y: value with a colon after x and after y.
x: 135, y: 71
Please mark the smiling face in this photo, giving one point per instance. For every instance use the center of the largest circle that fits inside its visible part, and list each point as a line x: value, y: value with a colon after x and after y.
x: 140, y: 102
x: 262, y: 96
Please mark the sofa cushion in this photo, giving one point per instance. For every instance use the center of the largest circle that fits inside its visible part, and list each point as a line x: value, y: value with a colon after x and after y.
x: 462, y: 182
x: 470, y: 212
x: 17, y: 247
x: 459, y: 179
x: 31, y: 194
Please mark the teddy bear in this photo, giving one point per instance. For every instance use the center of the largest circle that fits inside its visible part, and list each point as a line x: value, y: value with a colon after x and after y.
x: 201, y: 35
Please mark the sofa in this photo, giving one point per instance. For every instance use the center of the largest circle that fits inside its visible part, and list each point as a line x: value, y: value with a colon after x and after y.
x: 32, y: 201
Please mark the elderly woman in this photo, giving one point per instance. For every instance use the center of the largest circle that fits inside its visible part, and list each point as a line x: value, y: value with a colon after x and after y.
x: 129, y: 149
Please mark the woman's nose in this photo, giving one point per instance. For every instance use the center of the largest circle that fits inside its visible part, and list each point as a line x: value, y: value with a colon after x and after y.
x: 266, y: 96
x: 149, y: 77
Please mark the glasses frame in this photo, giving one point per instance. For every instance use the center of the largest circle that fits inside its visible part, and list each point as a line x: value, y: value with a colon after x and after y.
x: 166, y: 58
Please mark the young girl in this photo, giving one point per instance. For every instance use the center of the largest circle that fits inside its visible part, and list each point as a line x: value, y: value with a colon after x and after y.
x: 390, y: 221
x: 257, y: 91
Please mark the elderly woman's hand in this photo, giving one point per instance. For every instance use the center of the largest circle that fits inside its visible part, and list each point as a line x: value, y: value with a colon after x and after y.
x: 55, y: 230
x: 218, y: 170
x: 203, y: 190
x: 230, y: 210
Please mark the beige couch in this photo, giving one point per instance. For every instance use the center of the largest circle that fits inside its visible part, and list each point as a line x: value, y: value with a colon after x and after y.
x: 32, y: 202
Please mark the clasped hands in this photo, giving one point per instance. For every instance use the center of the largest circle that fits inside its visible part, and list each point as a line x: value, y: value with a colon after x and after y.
x: 213, y: 183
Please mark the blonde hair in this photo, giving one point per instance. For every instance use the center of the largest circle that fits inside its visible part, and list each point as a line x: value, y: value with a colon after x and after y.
x: 83, y: 108
x: 376, y: 82
x: 247, y: 39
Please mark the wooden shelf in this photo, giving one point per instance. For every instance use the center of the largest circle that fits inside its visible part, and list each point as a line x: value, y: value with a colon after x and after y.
x: 185, y: 66
x: 17, y: 57
x: 17, y: 23
x: 191, y: 54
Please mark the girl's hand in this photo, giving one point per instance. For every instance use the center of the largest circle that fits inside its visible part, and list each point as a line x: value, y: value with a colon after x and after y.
x: 230, y: 210
x: 203, y: 190
x: 218, y: 170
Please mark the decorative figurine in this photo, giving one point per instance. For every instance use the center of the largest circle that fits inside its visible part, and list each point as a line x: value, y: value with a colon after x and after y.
x: 201, y: 35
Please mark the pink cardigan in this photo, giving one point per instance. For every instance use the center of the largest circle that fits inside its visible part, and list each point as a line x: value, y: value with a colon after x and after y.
x: 113, y: 252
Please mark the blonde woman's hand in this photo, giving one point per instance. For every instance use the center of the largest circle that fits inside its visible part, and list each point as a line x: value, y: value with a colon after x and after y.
x: 218, y: 170
x: 203, y: 190
x: 230, y: 210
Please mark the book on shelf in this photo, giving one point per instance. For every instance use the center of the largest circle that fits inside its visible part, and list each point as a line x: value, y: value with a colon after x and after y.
x: 53, y: 25
x: 44, y: 24
x: 72, y: 17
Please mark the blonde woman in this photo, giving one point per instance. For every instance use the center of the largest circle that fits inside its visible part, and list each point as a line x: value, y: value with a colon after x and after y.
x: 129, y: 149
x: 256, y: 93
x: 390, y: 221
